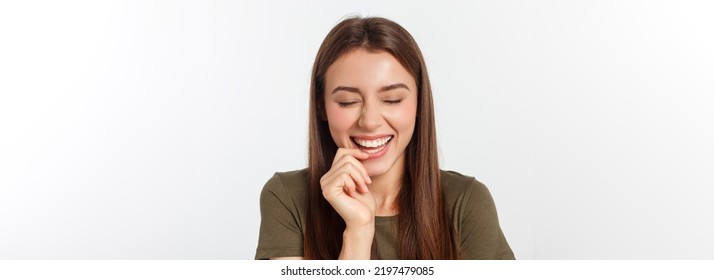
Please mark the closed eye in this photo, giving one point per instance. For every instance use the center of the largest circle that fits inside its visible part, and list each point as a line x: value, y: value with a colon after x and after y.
x: 347, y: 104
x: 397, y: 101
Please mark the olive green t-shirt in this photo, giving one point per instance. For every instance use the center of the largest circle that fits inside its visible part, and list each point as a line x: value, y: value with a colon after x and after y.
x: 470, y: 205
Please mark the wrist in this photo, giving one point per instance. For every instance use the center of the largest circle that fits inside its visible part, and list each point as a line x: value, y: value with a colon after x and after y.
x: 357, y: 242
x: 359, y: 231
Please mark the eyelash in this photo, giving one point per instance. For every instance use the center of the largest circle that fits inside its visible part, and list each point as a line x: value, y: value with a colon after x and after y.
x: 347, y: 104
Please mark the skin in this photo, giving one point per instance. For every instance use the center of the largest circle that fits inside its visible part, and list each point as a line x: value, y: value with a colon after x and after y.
x: 366, y: 94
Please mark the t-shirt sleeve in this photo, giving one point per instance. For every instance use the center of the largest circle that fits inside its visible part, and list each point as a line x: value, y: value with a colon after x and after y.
x: 481, y: 234
x: 280, y: 227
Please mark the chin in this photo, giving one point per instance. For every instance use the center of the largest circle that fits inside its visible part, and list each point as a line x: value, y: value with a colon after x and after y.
x: 376, y: 169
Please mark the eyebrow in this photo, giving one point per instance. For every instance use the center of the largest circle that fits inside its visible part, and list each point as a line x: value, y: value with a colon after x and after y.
x: 383, y: 89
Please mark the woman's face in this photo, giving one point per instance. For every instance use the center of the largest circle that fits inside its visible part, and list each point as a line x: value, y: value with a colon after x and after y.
x: 371, y: 103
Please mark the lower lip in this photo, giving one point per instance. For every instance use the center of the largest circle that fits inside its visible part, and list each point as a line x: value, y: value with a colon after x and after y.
x: 380, y: 153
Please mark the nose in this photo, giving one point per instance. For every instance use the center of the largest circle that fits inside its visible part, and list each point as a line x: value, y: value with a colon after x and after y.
x: 370, y: 118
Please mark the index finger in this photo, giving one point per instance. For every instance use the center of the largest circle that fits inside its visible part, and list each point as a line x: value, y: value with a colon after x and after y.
x: 356, y: 153
x: 352, y: 156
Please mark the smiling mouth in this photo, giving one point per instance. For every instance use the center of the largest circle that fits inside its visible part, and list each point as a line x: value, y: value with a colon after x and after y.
x: 372, y: 146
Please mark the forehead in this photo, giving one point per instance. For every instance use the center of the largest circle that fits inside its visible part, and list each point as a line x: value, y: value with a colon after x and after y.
x: 367, y: 69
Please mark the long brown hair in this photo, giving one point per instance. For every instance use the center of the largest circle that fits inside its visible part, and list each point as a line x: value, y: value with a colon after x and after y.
x: 424, y: 230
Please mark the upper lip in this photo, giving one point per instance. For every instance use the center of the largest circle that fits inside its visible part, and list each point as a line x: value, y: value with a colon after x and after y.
x: 372, y: 137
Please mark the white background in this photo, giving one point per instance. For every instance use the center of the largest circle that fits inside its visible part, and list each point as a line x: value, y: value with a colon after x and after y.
x: 146, y: 130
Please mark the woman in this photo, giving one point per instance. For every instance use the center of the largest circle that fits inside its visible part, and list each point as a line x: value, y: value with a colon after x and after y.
x: 373, y: 188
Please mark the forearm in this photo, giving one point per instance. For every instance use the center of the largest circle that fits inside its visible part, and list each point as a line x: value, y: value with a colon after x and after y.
x: 357, y: 243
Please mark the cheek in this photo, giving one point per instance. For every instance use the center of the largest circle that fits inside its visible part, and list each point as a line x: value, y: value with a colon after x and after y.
x: 338, y: 119
x: 403, y: 120
x: 339, y: 122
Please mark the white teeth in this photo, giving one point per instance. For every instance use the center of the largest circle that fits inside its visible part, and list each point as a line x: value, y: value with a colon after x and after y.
x: 374, y: 151
x: 372, y: 143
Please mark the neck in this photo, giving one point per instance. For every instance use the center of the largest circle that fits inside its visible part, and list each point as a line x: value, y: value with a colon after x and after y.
x: 385, y: 189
